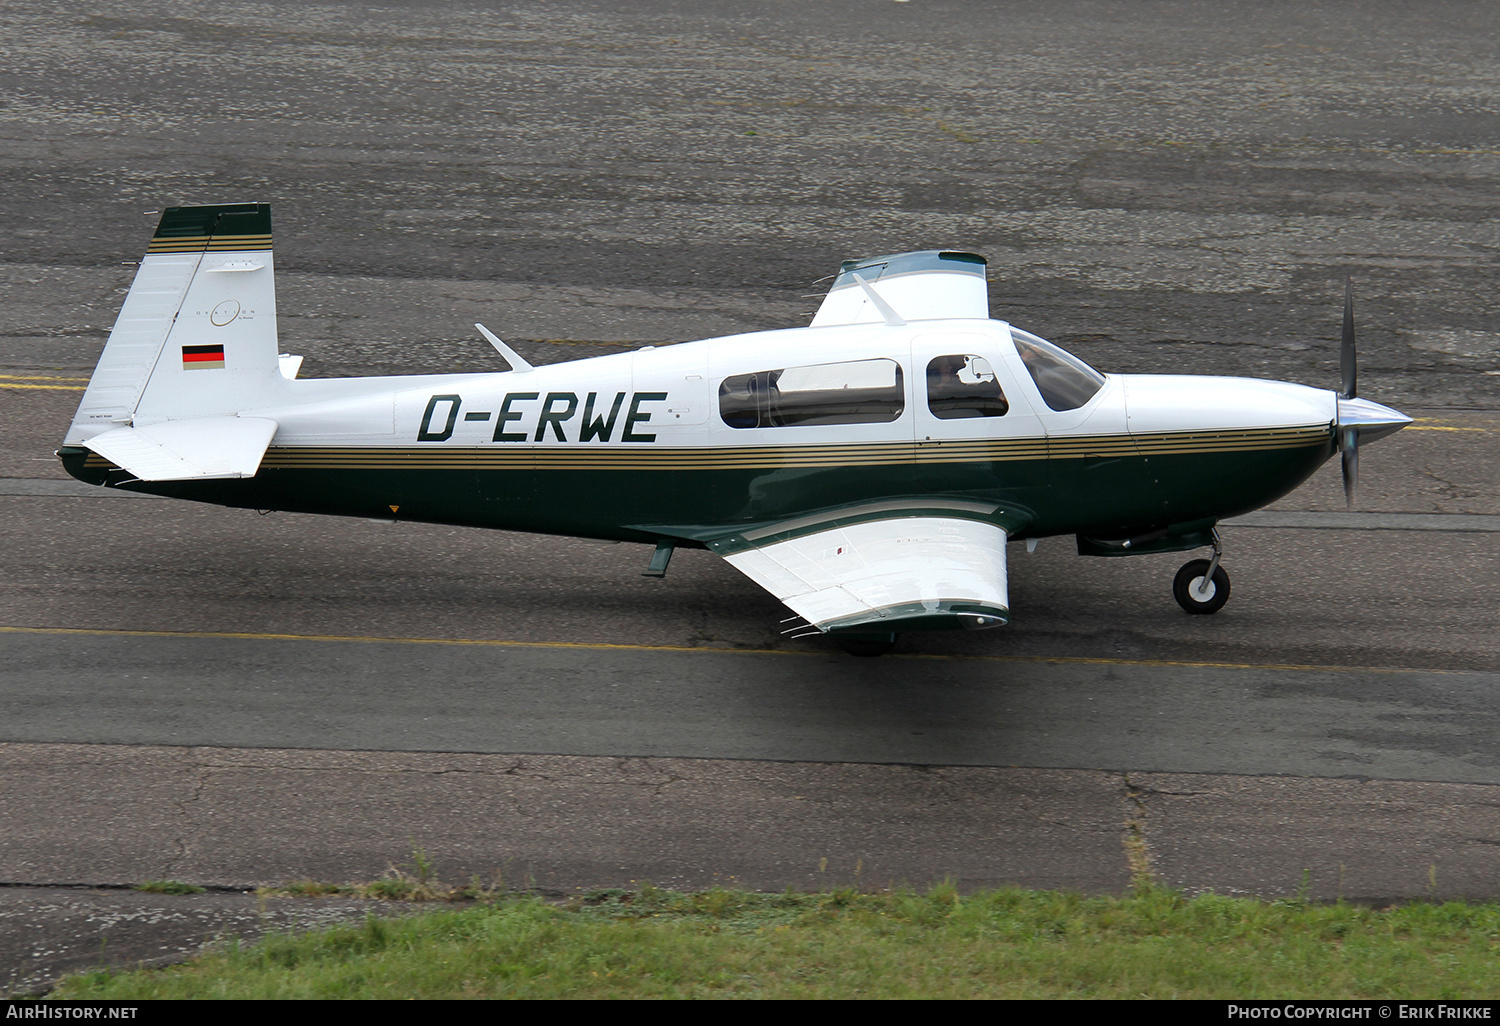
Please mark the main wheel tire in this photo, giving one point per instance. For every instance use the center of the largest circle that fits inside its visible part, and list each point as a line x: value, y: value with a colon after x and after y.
x: 865, y: 645
x: 1197, y: 595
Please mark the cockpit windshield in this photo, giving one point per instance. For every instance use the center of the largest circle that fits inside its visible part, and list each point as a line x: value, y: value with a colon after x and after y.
x: 1064, y: 381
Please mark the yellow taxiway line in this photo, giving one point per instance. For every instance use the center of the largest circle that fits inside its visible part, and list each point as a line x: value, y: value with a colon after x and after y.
x: 60, y: 388
x: 613, y: 646
x: 23, y: 381
x: 1434, y: 424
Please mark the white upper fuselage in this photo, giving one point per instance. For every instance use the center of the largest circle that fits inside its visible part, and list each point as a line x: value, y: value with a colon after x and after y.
x: 672, y: 397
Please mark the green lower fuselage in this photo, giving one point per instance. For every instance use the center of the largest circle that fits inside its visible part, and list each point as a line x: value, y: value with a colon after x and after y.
x: 696, y: 494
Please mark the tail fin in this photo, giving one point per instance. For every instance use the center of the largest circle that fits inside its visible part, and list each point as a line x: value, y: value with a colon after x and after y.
x: 195, y: 340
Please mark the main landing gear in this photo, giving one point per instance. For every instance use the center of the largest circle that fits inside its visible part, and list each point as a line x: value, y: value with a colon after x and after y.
x: 1202, y: 586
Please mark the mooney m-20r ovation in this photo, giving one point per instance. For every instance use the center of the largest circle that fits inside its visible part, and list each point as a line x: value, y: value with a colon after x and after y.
x: 868, y: 470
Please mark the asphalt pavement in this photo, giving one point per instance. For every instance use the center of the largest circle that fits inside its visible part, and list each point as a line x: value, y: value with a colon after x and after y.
x: 209, y: 695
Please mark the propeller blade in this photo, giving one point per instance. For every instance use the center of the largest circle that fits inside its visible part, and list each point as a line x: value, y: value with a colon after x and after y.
x: 1349, y: 446
x: 1347, y: 370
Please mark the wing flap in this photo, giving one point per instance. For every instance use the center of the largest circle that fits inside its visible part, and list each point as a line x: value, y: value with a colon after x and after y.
x: 900, y: 573
x: 184, y: 450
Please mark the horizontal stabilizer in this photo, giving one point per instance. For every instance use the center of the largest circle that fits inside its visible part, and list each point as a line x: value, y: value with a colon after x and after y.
x: 183, y: 450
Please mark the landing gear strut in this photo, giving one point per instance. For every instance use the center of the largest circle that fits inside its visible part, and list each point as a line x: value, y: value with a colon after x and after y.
x: 1202, y: 586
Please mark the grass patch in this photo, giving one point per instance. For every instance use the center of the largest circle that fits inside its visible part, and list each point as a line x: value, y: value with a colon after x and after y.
x: 168, y: 887
x: 651, y: 943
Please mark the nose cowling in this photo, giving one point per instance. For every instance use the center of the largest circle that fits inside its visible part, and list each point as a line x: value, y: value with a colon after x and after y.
x: 1173, y: 402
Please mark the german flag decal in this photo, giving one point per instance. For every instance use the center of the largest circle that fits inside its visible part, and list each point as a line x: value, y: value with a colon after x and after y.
x: 203, y: 357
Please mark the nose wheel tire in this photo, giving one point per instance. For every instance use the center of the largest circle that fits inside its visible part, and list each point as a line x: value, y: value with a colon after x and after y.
x: 1198, y: 593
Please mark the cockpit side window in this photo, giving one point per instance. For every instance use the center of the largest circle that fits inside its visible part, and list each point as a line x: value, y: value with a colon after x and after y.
x: 857, y: 392
x: 1064, y: 381
x: 963, y: 386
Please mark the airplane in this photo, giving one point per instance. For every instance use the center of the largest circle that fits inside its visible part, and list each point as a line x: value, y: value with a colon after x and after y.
x: 868, y: 470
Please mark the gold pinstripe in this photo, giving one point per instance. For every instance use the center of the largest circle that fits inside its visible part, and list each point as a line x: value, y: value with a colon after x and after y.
x: 210, y: 243
x: 1169, y: 442
x: 573, y: 459
x: 650, y: 457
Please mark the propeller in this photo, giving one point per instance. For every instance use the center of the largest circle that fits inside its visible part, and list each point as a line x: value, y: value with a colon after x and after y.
x: 1358, y: 420
x: 1348, y: 373
x: 1346, y: 351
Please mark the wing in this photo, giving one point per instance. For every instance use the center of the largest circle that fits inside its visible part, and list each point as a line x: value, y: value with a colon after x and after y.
x: 908, y: 569
x: 926, y: 285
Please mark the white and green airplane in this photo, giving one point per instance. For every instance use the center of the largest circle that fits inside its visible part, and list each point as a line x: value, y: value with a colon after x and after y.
x: 868, y: 470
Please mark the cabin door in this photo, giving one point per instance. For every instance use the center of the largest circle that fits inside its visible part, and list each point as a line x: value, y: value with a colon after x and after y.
x: 975, y: 428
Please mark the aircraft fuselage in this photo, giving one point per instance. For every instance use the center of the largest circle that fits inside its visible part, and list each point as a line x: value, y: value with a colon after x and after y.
x: 674, y: 441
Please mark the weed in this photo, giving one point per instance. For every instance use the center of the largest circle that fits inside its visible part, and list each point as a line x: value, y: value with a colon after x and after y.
x: 399, y: 887
x: 421, y: 865
x: 478, y: 890
x: 842, y: 897
x: 411, y: 881
x: 310, y: 889
x: 719, y: 902
x: 168, y: 887
x: 420, y: 884
x: 1137, y: 851
x: 945, y: 893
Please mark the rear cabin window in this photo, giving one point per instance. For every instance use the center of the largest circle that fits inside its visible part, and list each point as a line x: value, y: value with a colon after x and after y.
x: 1064, y: 381
x: 964, y: 386
x: 859, y: 392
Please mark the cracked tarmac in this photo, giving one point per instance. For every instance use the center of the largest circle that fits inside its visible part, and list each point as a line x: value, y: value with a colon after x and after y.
x: 1163, y: 185
x: 557, y: 825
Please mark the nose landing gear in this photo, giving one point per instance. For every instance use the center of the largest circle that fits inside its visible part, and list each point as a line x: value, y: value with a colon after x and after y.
x: 1202, y: 586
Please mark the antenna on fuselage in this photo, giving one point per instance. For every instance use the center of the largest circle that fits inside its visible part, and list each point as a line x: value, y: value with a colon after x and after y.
x: 891, y: 316
x: 516, y: 360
